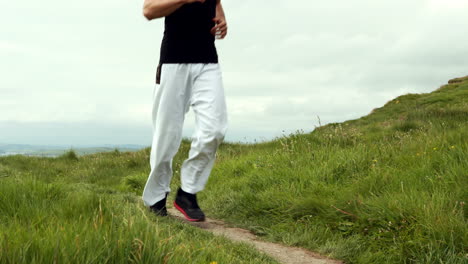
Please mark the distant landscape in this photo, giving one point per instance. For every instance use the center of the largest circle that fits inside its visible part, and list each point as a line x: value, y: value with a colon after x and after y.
x: 55, y: 151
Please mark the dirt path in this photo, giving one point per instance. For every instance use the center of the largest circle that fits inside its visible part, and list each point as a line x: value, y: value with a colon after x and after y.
x: 283, y: 254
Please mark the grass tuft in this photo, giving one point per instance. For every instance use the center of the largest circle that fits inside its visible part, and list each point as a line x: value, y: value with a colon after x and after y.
x: 69, y: 155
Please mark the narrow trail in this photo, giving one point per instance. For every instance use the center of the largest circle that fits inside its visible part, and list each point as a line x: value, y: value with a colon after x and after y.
x: 283, y: 254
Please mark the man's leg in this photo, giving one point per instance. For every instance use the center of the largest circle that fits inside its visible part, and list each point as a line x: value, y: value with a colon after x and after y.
x: 170, y: 103
x: 209, y: 104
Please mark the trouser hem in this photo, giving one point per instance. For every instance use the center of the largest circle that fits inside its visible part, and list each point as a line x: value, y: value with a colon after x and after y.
x: 150, y: 202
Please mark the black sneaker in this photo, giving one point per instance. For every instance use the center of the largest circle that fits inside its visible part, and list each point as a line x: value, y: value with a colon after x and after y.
x: 187, y: 204
x: 159, y: 208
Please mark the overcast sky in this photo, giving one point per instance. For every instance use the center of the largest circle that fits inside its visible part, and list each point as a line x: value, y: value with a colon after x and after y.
x: 82, y: 72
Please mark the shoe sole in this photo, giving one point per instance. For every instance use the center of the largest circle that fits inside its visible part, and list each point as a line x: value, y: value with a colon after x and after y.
x: 185, y: 214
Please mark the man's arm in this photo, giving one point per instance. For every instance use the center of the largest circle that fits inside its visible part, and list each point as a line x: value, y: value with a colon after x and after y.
x: 160, y: 8
x: 220, y: 28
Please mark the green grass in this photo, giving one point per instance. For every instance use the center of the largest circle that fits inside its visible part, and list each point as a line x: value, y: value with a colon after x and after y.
x: 82, y: 210
x: 389, y: 187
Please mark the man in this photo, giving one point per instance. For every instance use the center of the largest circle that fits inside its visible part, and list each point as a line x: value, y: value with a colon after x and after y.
x: 188, y: 75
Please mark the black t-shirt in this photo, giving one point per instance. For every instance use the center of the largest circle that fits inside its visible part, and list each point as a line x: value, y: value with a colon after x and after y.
x: 187, y: 37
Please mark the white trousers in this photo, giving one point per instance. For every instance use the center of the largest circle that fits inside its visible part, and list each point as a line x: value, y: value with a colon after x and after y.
x: 183, y: 86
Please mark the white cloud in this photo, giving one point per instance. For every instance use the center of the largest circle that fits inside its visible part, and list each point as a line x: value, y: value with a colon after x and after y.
x: 284, y: 63
x: 450, y: 4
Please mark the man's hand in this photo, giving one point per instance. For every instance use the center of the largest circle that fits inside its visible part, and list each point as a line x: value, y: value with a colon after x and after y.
x: 220, y: 28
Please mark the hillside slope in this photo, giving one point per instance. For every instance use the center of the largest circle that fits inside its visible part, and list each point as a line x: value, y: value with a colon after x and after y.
x: 74, y: 209
x: 390, y: 187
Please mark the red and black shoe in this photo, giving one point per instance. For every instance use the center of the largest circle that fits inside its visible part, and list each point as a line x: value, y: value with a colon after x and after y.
x: 187, y: 204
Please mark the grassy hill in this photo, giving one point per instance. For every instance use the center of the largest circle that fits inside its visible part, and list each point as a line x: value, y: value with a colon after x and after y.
x: 389, y: 187
x: 80, y: 210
